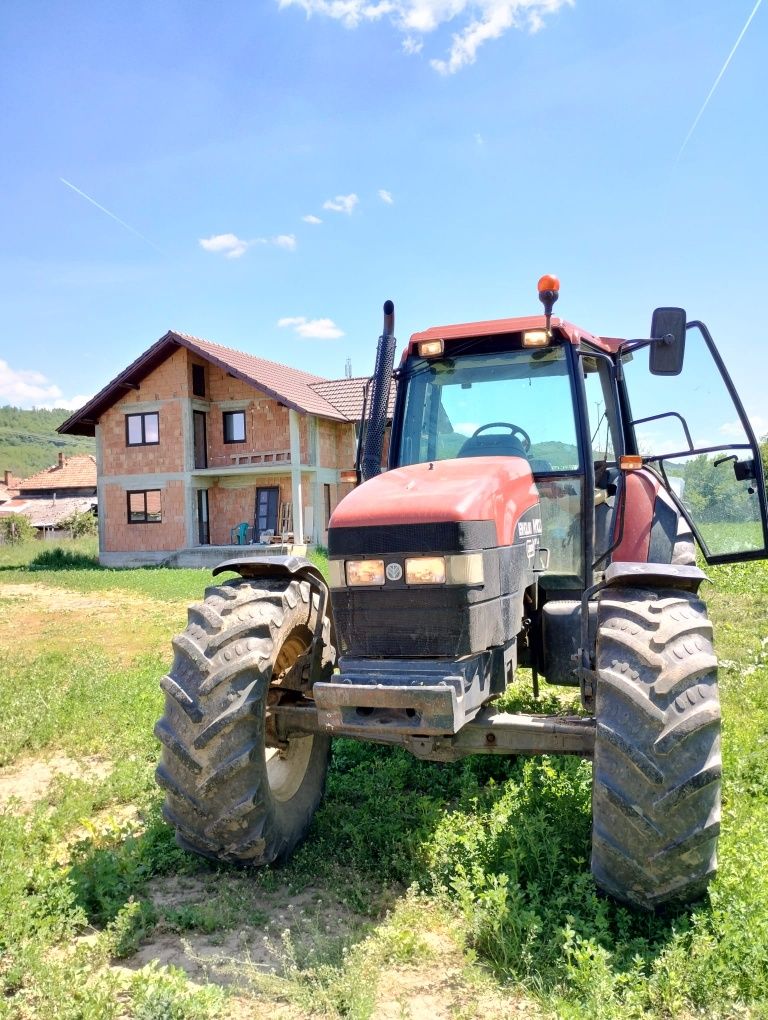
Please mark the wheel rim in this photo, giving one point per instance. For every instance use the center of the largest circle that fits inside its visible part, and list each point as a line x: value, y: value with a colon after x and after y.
x: 286, y: 767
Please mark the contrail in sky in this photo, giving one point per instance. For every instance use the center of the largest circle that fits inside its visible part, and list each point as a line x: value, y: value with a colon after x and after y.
x: 723, y: 69
x: 116, y: 218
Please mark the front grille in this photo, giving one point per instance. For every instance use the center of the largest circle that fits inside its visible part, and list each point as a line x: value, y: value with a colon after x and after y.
x: 437, y: 537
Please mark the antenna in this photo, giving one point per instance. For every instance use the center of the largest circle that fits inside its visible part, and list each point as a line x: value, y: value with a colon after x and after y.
x: 348, y: 368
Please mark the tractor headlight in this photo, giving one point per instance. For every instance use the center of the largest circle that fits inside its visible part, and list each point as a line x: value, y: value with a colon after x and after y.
x: 466, y: 569
x: 362, y: 572
x: 425, y: 570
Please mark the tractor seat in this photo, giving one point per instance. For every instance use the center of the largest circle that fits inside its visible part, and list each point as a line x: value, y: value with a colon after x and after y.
x: 490, y: 444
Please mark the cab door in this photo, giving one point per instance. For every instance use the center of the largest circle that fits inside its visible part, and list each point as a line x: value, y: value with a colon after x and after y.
x: 693, y: 428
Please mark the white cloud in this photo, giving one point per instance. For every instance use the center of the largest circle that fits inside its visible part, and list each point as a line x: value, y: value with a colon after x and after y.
x: 312, y: 329
x: 477, y: 21
x: 30, y: 388
x: 232, y: 247
x: 734, y: 430
x: 228, y: 245
x: 312, y: 219
x: 342, y: 203
x: 386, y: 196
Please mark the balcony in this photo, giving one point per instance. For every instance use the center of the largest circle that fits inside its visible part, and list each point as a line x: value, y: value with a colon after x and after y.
x: 257, y: 461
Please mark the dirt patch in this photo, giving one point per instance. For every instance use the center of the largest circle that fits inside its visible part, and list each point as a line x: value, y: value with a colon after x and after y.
x: 29, y: 782
x: 257, y: 932
x: 441, y: 988
x: 127, y: 624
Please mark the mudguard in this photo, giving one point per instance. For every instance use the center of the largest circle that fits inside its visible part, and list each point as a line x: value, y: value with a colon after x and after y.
x: 624, y: 574
x: 272, y: 566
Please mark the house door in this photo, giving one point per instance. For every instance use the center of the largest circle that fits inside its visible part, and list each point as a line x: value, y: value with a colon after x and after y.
x: 265, y: 516
x: 203, y: 531
x: 201, y: 443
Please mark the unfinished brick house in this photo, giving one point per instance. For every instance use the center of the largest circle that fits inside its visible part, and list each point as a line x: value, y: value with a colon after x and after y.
x: 195, y: 440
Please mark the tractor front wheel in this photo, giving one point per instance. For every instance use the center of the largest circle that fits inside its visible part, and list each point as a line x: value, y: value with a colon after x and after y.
x: 234, y: 792
x: 657, y: 765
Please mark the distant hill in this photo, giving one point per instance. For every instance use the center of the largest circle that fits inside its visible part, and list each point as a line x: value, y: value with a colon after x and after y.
x: 29, y: 441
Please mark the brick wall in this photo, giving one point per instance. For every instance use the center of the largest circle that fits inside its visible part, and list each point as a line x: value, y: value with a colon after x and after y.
x: 229, y: 507
x: 266, y: 422
x: 120, y: 536
x: 168, y: 386
x: 336, y: 441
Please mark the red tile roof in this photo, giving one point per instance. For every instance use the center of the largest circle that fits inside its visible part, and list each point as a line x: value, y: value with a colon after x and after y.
x: 347, y: 395
x: 290, y: 386
x: 9, y: 487
x: 76, y: 472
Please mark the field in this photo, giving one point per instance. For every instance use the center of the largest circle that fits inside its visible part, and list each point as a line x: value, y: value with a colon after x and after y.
x: 424, y: 891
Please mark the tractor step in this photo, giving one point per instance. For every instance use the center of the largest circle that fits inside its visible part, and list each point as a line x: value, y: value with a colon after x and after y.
x: 428, y: 696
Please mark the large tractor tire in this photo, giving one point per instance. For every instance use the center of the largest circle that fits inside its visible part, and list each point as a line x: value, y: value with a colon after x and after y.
x: 657, y: 765
x: 231, y: 793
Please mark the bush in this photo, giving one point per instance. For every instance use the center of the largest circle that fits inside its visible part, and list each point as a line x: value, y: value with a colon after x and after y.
x: 15, y: 529
x: 63, y: 559
x: 80, y: 524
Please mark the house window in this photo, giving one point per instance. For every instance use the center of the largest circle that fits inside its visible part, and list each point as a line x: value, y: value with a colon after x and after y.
x: 142, y: 429
x: 234, y: 426
x: 144, y: 507
x: 198, y: 380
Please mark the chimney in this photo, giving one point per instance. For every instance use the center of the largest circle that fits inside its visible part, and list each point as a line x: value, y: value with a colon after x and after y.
x: 61, y: 460
x: 8, y: 476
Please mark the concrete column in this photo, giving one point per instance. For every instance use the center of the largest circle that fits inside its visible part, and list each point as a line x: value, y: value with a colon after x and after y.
x: 102, y: 508
x: 298, y: 515
x: 188, y: 451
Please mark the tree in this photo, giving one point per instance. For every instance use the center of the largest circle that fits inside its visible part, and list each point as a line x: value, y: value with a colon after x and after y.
x: 79, y: 524
x: 16, y: 528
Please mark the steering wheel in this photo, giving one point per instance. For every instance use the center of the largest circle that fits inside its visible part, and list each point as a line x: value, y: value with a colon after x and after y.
x: 525, y: 439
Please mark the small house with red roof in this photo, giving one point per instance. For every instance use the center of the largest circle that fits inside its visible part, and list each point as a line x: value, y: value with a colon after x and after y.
x: 54, y: 494
x: 202, y: 446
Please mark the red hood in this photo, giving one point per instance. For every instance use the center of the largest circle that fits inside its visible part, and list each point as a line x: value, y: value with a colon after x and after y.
x: 497, y: 489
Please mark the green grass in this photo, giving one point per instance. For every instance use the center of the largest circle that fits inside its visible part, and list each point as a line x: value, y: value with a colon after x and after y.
x: 494, y: 849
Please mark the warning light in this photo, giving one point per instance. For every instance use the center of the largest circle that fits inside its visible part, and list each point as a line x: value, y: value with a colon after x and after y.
x: 548, y: 282
x: 630, y: 462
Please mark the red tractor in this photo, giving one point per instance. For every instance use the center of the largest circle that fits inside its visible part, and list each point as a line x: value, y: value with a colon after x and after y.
x: 542, y: 495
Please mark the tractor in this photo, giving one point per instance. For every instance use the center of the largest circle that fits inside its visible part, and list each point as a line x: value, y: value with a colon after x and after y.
x: 534, y: 500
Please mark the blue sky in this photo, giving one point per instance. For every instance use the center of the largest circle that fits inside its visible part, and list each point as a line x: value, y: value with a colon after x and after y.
x: 453, y: 152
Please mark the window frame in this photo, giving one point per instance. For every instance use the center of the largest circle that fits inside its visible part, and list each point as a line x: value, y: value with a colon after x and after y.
x: 142, y: 415
x: 229, y: 416
x: 144, y: 493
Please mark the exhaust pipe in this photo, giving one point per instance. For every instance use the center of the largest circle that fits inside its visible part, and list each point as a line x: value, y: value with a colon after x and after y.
x: 376, y: 421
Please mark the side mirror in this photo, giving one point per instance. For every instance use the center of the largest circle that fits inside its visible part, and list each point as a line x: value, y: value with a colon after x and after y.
x: 667, y: 341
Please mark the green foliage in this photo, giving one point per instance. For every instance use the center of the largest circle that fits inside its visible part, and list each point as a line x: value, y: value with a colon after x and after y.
x: 15, y: 529
x: 29, y: 441
x: 764, y: 456
x: 80, y: 524
x: 58, y: 558
x: 132, y: 923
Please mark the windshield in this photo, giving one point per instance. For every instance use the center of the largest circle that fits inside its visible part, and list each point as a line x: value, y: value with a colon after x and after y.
x: 511, y: 403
